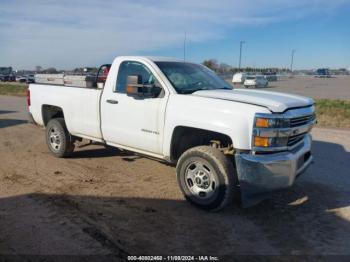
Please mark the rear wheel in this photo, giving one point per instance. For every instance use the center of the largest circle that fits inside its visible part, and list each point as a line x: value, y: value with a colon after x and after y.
x: 206, y: 177
x: 58, y: 139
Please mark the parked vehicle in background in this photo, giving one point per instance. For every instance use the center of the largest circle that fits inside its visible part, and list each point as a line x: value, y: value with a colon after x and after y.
x: 26, y: 79
x: 30, y: 79
x: 239, y: 78
x: 223, y: 141
x: 6, y: 74
x: 20, y: 79
x: 271, y: 76
x: 255, y: 81
x: 322, y: 73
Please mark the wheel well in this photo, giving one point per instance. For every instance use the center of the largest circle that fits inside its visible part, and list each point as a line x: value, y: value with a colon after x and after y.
x: 49, y: 112
x: 185, y: 138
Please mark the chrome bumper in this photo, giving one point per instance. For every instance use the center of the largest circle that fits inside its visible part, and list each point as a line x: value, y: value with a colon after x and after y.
x: 261, y: 174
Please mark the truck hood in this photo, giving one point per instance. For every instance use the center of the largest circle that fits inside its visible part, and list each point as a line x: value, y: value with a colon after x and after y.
x: 274, y: 101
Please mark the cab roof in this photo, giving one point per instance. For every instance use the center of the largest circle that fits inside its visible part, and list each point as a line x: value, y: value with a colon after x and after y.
x: 154, y: 58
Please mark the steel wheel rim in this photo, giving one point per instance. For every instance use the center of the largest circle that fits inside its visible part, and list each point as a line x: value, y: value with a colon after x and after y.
x: 200, y: 179
x: 55, y: 139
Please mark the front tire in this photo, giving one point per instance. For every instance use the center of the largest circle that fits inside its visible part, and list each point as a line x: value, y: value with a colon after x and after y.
x: 58, y: 139
x: 206, y: 177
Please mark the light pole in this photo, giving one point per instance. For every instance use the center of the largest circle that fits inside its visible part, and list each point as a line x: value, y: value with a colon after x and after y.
x: 240, y: 53
x: 185, y: 46
x: 292, y: 60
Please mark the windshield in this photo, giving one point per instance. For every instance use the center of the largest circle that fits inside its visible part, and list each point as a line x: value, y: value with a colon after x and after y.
x: 187, y: 78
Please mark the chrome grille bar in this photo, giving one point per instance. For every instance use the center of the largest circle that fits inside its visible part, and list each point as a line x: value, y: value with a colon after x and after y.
x: 292, y: 140
x: 299, y: 121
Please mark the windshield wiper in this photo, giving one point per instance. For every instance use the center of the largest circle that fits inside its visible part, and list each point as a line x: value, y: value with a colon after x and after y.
x: 190, y: 91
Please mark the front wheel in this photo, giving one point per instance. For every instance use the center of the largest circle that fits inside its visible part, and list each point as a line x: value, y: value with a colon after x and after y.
x: 206, y: 177
x: 58, y: 139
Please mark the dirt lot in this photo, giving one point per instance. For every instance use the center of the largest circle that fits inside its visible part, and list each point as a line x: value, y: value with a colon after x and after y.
x: 104, y: 201
x: 337, y: 87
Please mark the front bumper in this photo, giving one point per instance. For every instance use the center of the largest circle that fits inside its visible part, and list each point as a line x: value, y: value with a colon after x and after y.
x: 260, y: 174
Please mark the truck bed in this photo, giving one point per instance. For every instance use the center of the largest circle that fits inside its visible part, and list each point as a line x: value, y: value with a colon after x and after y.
x: 80, y: 105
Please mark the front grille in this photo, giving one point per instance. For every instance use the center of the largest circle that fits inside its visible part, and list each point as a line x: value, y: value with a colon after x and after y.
x: 300, y: 121
x: 292, y: 140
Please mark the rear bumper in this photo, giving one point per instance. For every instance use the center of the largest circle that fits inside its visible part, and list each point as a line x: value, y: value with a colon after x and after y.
x: 260, y: 174
x: 250, y: 83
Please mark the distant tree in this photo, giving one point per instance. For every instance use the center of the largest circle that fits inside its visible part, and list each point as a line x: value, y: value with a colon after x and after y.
x: 224, y: 69
x: 51, y: 70
x: 38, y: 69
x: 212, y: 64
x: 78, y: 70
x: 85, y: 70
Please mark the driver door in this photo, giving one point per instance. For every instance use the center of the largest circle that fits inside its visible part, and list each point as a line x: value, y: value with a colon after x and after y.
x: 134, y: 122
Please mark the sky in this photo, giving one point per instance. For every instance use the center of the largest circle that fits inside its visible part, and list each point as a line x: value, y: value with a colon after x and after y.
x: 66, y: 34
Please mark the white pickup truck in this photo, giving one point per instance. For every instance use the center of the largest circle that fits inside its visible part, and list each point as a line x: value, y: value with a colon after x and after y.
x: 223, y: 141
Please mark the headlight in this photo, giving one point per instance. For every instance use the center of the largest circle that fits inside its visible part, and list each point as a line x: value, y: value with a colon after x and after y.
x: 269, y: 122
x: 279, y: 132
x: 270, y: 141
x: 261, y: 141
x: 263, y: 122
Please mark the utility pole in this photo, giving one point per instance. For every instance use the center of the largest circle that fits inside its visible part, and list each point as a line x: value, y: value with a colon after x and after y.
x: 185, y: 47
x: 292, y: 60
x: 240, y: 53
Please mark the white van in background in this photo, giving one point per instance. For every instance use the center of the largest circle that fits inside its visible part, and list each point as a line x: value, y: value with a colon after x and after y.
x: 239, y: 78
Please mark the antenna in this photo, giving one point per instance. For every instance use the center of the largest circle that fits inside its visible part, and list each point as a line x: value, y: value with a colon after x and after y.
x: 292, y: 60
x: 240, y: 53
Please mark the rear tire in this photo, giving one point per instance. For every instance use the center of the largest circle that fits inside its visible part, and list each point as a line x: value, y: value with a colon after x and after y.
x: 58, y: 139
x: 206, y: 177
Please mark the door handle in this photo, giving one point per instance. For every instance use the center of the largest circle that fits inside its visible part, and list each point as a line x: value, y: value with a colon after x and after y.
x: 111, y: 101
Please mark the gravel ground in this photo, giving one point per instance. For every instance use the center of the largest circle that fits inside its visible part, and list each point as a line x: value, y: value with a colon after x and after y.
x: 337, y: 87
x: 105, y: 201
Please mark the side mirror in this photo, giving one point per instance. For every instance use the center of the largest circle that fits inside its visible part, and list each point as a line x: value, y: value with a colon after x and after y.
x: 136, y: 89
x: 134, y: 86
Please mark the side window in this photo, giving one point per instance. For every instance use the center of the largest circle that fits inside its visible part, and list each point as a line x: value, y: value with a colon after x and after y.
x: 128, y: 68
